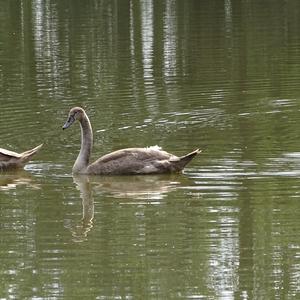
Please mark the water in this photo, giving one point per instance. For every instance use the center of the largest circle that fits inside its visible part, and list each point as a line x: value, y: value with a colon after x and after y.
x: 219, y: 75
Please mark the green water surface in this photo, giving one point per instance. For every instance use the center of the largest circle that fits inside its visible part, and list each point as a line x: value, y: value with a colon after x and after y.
x: 220, y: 75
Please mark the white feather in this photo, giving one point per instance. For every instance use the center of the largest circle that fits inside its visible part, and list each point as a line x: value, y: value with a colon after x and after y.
x: 154, y: 148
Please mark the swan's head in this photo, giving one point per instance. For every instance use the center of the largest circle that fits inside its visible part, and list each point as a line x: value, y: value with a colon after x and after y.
x: 76, y: 113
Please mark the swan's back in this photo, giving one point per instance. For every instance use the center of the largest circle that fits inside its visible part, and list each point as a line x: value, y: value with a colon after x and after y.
x: 129, y: 161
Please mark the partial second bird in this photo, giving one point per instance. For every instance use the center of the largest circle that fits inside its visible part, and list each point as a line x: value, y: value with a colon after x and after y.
x: 10, y: 160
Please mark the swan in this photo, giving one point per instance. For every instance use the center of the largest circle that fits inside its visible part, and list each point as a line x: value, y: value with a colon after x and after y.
x: 12, y: 160
x: 129, y: 161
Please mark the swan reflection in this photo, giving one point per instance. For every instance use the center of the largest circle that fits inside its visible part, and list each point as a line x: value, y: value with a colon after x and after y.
x: 81, y: 229
x: 10, y: 180
x: 148, y: 187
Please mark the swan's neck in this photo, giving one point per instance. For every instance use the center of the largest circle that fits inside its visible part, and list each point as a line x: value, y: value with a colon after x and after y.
x: 83, y: 158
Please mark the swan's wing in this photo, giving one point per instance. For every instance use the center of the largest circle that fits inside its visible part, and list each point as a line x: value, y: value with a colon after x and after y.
x: 6, y: 155
x: 131, y: 161
x: 139, y: 154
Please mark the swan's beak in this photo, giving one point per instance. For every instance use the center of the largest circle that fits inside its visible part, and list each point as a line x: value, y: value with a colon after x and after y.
x: 69, y: 122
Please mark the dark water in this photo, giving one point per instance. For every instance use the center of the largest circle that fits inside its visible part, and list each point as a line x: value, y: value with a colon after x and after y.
x: 220, y: 75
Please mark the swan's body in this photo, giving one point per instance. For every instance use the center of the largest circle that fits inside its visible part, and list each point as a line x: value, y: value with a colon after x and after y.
x: 12, y: 160
x: 130, y: 161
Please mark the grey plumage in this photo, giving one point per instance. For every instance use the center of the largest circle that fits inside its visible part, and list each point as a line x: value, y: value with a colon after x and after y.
x: 12, y: 160
x: 129, y: 161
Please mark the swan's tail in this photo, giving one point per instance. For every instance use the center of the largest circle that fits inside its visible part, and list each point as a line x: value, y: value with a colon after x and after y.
x: 184, y: 160
x: 26, y: 156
